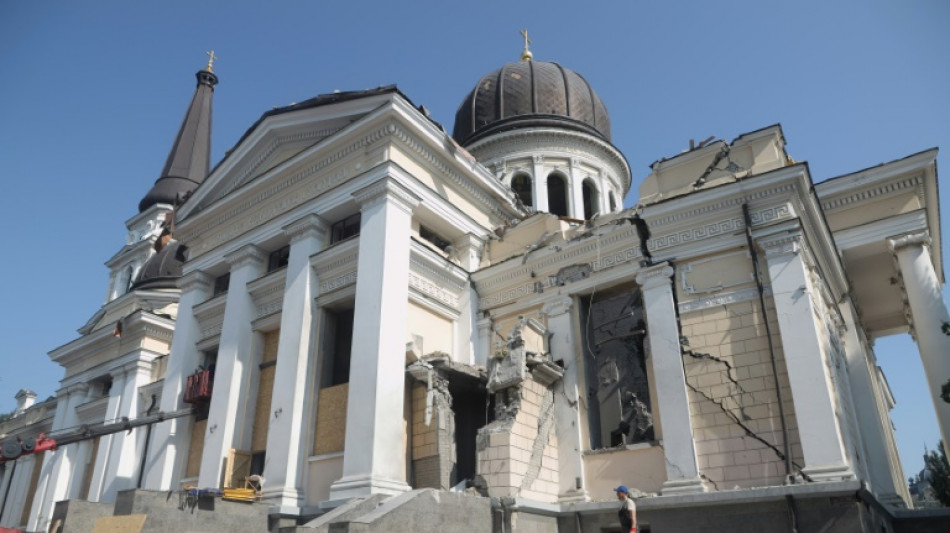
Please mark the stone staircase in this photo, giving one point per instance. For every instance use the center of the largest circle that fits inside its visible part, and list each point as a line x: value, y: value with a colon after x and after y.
x: 417, y: 511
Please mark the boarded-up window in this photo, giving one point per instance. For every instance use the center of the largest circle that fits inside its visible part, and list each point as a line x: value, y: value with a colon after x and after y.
x: 34, y: 479
x: 330, y: 433
x: 196, y: 448
x: 265, y: 391
x: 90, y: 465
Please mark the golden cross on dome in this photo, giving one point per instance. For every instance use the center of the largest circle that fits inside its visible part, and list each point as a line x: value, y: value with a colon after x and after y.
x: 526, y: 55
x: 211, y: 58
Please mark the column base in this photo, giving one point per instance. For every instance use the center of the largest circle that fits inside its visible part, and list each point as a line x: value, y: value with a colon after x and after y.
x: 283, y: 500
x: 574, y: 496
x: 684, y: 486
x: 349, y: 487
x: 837, y: 472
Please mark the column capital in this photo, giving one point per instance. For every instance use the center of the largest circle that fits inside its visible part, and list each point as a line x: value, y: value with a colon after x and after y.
x: 195, y: 280
x: 69, y: 390
x: 655, y: 276
x: 470, y: 241
x: 779, y: 245
x: 386, y: 190
x: 557, y: 306
x: 245, y: 255
x: 305, y: 227
x: 911, y: 239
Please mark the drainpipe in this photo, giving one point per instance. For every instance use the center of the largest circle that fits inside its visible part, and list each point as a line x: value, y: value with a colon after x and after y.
x: 790, y: 502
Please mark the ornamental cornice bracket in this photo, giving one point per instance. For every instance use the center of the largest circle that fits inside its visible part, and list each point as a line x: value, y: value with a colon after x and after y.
x: 245, y: 255
x: 386, y: 190
x: 655, y: 276
x: 556, y: 307
x: 912, y: 239
x: 308, y: 226
x: 196, y: 280
x: 780, y: 245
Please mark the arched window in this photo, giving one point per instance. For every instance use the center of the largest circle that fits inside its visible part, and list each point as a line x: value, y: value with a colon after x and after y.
x: 521, y: 184
x: 557, y: 194
x: 591, y: 199
x: 613, y: 202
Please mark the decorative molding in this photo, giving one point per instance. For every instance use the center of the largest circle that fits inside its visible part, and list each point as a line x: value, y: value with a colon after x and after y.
x: 868, y: 193
x: 758, y: 217
x: 268, y: 293
x: 707, y: 302
x: 338, y: 283
x: 533, y: 140
x: 777, y: 246
x: 913, y: 239
x: 244, y: 256
x: 557, y: 306
x: 196, y: 280
x: 433, y: 290
x: 245, y: 176
x: 386, y: 190
x: 655, y: 277
x: 306, y: 227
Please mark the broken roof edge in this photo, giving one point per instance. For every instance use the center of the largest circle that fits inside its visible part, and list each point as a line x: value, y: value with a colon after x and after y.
x: 698, y: 150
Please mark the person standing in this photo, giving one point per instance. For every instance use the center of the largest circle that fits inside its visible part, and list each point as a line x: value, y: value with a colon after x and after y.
x: 628, y: 510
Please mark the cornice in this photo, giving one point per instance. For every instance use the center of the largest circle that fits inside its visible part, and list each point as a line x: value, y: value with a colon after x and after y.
x: 851, y: 197
x: 247, y: 174
x: 337, y: 257
x: 279, y: 190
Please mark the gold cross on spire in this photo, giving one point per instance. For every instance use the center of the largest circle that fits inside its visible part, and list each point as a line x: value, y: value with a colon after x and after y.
x: 526, y: 54
x: 211, y: 58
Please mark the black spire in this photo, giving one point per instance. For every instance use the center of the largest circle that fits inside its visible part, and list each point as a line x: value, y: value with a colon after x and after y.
x: 190, y: 158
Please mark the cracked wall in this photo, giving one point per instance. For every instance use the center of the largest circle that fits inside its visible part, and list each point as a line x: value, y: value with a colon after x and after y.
x: 433, y: 435
x: 517, y: 456
x: 733, y: 401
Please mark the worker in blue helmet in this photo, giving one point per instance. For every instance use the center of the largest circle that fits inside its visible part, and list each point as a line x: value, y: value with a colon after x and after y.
x: 628, y: 511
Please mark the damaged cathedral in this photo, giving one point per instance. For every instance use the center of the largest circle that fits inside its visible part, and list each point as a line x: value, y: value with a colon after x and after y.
x: 357, y: 321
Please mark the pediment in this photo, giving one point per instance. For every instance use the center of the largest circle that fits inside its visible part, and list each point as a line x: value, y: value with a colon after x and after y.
x: 275, y: 139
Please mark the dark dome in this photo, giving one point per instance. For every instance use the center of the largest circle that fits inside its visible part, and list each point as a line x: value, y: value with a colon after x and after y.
x: 530, y: 94
x: 163, y: 269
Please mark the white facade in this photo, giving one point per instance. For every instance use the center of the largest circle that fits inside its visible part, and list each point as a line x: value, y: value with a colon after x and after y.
x: 400, y: 248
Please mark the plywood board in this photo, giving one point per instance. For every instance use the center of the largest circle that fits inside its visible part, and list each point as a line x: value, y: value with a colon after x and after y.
x: 132, y: 523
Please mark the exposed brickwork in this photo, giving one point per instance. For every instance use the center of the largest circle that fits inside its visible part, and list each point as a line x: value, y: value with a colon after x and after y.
x: 518, y: 457
x: 732, y: 393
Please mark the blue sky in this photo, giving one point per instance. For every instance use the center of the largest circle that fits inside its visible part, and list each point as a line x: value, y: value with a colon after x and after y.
x: 92, y: 94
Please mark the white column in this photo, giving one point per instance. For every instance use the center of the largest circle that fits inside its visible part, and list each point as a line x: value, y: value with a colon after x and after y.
x: 540, y: 184
x: 576, y: 188
x: 805, y: 359
x: 100, y: 480
x: 125, y: 454
x: 63, y: 461
x: 286, y: 449
x: 228, y: 415
x: 469, y: 254
x: 870, y: 412
x: 682, y: 470
x: 484, y: 349
x: 16, y: 500
x: 5, y: 488
x: 170, y: 439
x: 570, y: 450
x: 929, y: 313
x: 373, y: 461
